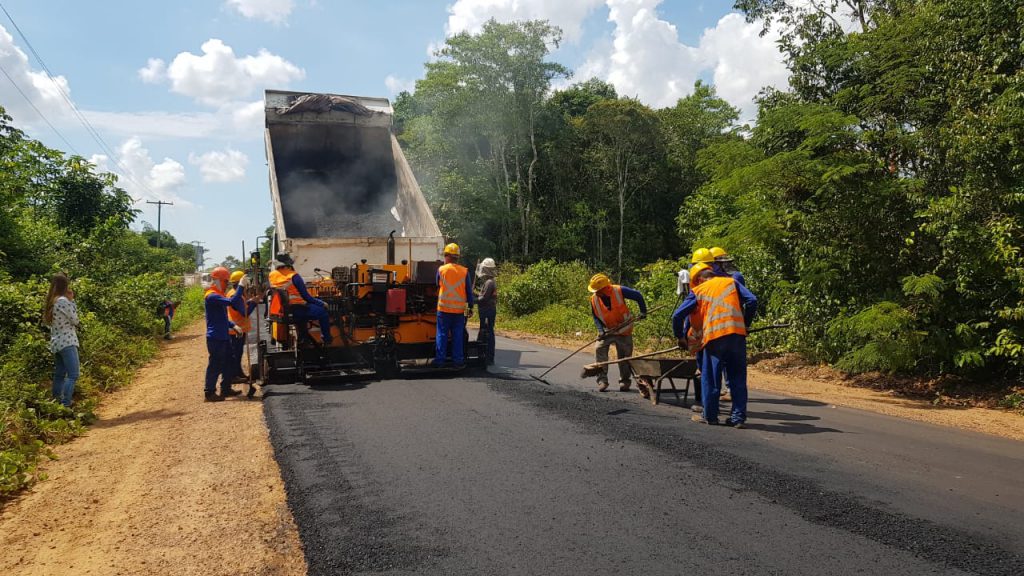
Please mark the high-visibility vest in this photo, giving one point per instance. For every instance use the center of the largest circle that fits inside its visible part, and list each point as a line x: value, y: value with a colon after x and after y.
x: 240, y: 320
x: 451, y: 296
x: 616, y: 314
x: 211, y: 290
x: 718, y: 310
x: 283, y: 281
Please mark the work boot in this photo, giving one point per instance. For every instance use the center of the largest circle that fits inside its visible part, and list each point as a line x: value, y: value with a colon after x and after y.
x: 229, y: 392
x: 212, y: 397
x: 734, y: 424
x: 602, y: 386
x: 624, y: 386
x: 699, y: 419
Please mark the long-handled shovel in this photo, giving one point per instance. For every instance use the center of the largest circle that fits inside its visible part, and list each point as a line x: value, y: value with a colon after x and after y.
x: 580, y: 349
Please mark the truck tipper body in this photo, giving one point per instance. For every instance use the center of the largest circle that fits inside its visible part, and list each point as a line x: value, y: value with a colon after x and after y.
x: 349, y: 212
x: 340, y: 184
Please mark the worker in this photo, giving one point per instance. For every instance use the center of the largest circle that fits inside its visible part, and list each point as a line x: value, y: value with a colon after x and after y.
x: 304, y: 307
x: 693, y: 336
x: 724, y: 265
x: 455, y: 300
x: 614, y: 324
x: 166, y: 311
x: 218, y: 343
x: 487, y: 302
x: 241, y: 325
x: 720, y: 310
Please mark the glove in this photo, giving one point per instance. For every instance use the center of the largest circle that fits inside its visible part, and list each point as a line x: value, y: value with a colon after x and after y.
x: 683, y: 344
x: 244, y: 282
x: 469, y: 312
x: 602, y: 335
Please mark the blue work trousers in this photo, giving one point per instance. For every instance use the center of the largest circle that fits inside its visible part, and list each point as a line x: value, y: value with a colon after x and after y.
x: 219, y: 365
x: 237, y: 354
x: 65, y: 374
x: 452, y: 324
x: 726, y: 355
x: 486, y: 333
x: 308, y: 312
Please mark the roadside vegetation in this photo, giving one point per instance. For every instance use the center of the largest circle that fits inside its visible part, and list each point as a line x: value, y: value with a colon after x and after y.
x: 876, y: 205
x: 58, y: 214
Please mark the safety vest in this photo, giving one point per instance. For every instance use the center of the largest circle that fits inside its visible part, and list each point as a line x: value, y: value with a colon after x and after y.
x: 718, y: 310
x: 451, y: 296
x: 240, y: 320
x: 211, y: 290
x: 616, y: 314
x: 283, y: 281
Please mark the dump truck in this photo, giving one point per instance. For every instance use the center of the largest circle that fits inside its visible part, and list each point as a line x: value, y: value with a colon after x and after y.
x: 349, y: 211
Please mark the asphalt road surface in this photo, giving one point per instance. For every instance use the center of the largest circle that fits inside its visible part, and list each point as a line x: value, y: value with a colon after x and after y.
x: 494, y: 473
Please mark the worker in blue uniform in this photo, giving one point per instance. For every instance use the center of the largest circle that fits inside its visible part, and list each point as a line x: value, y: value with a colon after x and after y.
x: 218, y: 339
x: 720, y: 310
x: 724, y: 265
x: 303, y: 306
x: 455, y: 301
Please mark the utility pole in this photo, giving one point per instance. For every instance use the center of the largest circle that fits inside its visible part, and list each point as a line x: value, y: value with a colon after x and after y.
x: 199, y: 251
x: 159, y: 208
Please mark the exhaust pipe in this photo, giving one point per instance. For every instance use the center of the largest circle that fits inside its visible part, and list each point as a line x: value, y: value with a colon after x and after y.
x: 391, y: 247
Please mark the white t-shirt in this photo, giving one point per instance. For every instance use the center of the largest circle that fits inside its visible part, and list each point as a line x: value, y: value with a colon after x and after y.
x: 683, y: 283
x: 65, y: 319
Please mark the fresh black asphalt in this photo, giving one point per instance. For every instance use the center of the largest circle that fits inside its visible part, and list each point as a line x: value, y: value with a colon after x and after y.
x: 495, y: 473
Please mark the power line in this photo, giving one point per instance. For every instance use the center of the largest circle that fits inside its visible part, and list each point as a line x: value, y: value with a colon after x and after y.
x: 78, y: 114
x: 38, y: 111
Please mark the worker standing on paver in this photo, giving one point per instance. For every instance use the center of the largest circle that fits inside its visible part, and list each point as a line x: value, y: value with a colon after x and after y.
x: 487, y: 302
x: 218, y: 339
x: 241, y: 325
x: 614, y: 324
x: 301, y: 304
x: 719, y: 309
x: 454, y: 304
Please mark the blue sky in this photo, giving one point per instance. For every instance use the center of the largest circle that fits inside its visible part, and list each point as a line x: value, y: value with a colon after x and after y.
x: 173, y: 87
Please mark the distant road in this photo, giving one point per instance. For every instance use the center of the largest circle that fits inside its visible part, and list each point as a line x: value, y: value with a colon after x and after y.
x: 498, y: 474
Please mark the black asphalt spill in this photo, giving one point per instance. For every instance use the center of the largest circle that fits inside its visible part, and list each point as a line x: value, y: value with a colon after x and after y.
x: 935, y: 543
x: 344, y: 524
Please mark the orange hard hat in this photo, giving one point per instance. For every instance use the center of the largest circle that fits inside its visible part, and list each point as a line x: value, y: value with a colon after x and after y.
x: 220, y: 273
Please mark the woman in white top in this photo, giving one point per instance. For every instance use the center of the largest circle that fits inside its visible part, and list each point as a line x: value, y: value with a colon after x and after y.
x: 61, y: 315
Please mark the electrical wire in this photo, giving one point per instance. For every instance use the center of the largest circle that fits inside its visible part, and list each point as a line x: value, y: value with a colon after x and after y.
x: 38, y: 111
x: 78, y: 114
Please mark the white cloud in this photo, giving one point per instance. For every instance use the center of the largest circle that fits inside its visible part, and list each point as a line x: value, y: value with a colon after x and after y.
x: 36, y: 86
x: 275, y: 11
x: 217, y: 166
x: 646, y: 58
x: 141, y: 176
x: 470, y: 15
x: 218, y: 77
x: 743, y: 61
x: 396, y: 85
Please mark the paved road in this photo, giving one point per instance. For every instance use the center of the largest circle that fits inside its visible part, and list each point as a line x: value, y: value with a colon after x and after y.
x: 494, y: 473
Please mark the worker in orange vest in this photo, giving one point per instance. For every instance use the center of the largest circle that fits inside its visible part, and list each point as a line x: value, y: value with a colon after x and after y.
x: 303, y: 306
x: 614, y: 324
x: 719, y: 310
x: 454, y: 304
x: 240, y: 326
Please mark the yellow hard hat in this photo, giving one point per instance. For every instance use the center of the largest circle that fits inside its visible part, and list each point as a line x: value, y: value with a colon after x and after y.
x: 697, y: 269
x: 720, y: 254
x: 451, y: 249
x: 598, y: 281
x: 702, y: 255
x: 236, y: 276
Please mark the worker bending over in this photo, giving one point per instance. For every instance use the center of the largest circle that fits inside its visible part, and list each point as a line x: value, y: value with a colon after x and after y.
x: 454, y: 305
x: 719, y: 310
x: 614, y: 324
x: 304, y: 307
x: 218, y: 343
x: 239, y: 332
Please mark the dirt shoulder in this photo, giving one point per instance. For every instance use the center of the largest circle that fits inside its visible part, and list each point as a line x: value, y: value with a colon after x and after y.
x: 837, y: 393
x: 163, y: 483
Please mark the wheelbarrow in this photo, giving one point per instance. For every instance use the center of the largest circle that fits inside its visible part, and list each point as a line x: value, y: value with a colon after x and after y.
x: 652, y: 373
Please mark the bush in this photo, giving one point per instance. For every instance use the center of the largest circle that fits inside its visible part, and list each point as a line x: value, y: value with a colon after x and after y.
x: 542, y: 284
x: 881, y: 337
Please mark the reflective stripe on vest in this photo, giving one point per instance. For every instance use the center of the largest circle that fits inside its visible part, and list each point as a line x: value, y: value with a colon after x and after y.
x: 241, y: 320
x: 283, y: 281
x: 616, y: 315
x: 718, y: 310
x: 452, y: 297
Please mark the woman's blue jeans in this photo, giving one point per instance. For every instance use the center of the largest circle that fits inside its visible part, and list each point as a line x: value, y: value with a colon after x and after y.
x: 65, y: 374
